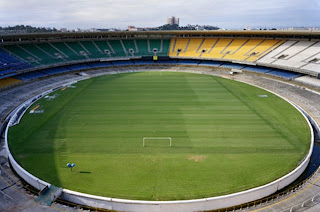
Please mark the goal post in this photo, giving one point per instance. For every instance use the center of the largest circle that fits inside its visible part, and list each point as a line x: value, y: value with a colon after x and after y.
x: 156, y: 138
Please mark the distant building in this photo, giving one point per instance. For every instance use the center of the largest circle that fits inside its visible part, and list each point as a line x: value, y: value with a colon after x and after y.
x: 63, y: 29
x: 173, y: 21
x: 93, y: 30
x: 132, y: 28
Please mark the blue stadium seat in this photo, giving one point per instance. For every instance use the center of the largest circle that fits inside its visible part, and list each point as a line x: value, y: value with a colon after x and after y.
x: 170, y: 62
x: 122, y: 63
x: 30, y: 76
x: 7, y: 75
x: 8, y: 71
x: 78, y: 67
x: 258, y: 69
x: 9, y: 62
x: 143, y: 62
x: 100, y: 64
x: 7, y: 58
x: 188, y: 62
x: 52, y: 71
x: 210, y: 63
x: 232, y: 65
x: 284, y: 74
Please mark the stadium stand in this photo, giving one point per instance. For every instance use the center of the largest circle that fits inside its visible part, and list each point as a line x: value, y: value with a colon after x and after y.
x: 49, y: 50
x: 254, y: 53
x: 216, y: 51
x: 258, y: 69
x: 118, y: 48
x: 9, y: 62
x: 178, y: 46
x: 37, y: 54
x: 232, y: 65
x: 159, y: 46
x: 122, y: 63
x: 304, y: 55
x: 52, y: 71
x: 233, y: 47
x: 164, y: 47
x: 223, y: 48
x: 78, y: 67
x: 292, y: 55
x: 188, y: 62
x: 44, y: 54
x: 284, y: 74
x: 92, y: 49
x: 8, y: 82
x: 7, y: 73
x: 210, y: 63
x: 105, y: 48
x: 262, y: 49
x: 143, y: 62
x: 18, y: 52
x: 30, y: 76
x: 270, y: 57
x: 130, y: 47
x: 77, y: 49
x: 99, y: 64
x: 142, y: 47
x: 192, y: 49
x: 69, y: 53
x: 167, y: 62
x: 241, y: 52
x: 207, y: 45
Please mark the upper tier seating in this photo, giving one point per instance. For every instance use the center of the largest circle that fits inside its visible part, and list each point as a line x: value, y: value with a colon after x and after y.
x: 43, y: 54
x: 222, y: 48
x: 304, y: 55
x: 10, y: 64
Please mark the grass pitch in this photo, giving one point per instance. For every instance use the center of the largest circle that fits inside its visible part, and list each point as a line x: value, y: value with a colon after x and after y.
x: 226, y: 137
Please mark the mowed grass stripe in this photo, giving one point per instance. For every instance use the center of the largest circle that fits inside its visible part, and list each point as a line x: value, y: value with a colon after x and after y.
x: 225, y: 138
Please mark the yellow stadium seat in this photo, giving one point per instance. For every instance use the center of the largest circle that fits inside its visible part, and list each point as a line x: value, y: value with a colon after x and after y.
x: 207, y: 45
x: 217, y: 50
x: 8, y: 81
x: 241, y: 49
x: 233, y: 48
x: 241, y: 54
x: 178, y: 45
x: 192, y: 49
x: 262, y: 49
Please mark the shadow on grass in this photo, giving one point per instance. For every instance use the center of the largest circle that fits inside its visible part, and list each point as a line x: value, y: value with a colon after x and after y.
x: 84, y: 172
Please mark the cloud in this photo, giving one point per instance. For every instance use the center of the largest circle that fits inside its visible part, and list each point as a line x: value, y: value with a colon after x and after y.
x: 121, y: 13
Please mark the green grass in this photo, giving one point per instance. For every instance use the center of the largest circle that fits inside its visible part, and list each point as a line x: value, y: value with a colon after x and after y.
x: 225, y: 138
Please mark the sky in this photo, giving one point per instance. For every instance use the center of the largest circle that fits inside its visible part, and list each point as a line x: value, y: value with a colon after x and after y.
x: 229, y: 14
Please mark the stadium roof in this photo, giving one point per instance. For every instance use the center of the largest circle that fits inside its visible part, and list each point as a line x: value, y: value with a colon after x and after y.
x: 30, y: 37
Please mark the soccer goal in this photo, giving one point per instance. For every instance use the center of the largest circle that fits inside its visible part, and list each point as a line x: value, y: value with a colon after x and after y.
x: 145, y: 139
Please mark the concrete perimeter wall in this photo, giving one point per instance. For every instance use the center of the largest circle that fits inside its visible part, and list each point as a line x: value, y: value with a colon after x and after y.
x: 135, y: 205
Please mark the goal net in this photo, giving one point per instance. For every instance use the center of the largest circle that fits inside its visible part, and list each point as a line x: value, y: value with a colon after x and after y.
x: 160, y: 139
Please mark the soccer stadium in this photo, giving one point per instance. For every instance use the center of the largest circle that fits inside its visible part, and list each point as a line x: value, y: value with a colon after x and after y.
x: 161, y: 120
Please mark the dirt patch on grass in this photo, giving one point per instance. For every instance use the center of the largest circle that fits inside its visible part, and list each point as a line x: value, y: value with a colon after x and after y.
x: 197, y: 158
